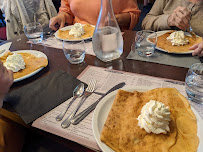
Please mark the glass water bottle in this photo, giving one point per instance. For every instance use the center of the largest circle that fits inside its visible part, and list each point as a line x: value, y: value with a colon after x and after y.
x: 107, y: 39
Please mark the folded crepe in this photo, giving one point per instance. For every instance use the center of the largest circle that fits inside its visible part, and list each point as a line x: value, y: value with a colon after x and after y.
x: 122, y: 134
x: 165, y: 44
x: 89, y: 31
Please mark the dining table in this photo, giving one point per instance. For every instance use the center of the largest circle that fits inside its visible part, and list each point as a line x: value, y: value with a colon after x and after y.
x: 57, y: 60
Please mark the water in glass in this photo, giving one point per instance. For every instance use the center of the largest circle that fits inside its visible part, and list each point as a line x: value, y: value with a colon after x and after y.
x: 35, y: 37
x: 194, y: 83
x: 75, y: 56
x: 108, y: 43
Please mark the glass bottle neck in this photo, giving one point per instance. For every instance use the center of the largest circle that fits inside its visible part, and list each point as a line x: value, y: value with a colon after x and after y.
x: 106, y: 5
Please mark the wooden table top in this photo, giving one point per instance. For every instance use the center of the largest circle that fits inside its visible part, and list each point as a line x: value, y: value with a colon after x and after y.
x: 57, y: 61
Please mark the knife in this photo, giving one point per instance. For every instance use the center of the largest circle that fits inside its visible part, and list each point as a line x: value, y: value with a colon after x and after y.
x: 85, y: 112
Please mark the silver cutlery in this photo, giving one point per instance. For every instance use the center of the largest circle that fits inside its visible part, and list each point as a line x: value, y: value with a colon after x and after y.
x: 192, y: 33
x: 77, y: 92
x: 89, y: 90
x: 85, y: 112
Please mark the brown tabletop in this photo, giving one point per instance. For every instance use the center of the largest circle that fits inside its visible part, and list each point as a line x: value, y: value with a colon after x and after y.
x: 58, y: 61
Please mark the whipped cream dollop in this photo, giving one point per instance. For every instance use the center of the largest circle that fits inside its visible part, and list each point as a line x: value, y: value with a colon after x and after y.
x: 154, y: 117
x: 178, y: 38
x: 77, y: 30
x: 15, y: 62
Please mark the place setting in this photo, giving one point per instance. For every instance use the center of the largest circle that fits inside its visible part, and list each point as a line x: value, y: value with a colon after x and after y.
x: 164, y: 49
x: 78, y: 32
x: 103, y: 111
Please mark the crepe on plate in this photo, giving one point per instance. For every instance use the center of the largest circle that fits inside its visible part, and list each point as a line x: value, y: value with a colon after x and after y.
x: 122, y: 134
x: 165, y: 44
x: 89, y: 31
x: 32, y: 63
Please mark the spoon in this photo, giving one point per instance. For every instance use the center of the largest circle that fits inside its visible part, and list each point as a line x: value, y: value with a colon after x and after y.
x: 77, y: 92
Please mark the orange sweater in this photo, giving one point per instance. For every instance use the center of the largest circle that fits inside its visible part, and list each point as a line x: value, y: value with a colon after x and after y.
x: 87, y: 11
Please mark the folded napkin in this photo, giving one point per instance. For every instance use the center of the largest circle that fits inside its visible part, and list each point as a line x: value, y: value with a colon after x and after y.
x: 39, y: 97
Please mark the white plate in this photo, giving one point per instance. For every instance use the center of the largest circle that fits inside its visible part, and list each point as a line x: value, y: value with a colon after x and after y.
x: 68, y: 28
x: 102, y: 110
x: 159, y: 33
x: 35, y: 53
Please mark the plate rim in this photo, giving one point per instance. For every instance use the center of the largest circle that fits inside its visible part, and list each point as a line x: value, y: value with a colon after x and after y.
x: 98, y: 108
x: 67, y: 28
x: 34, y: 52
x: 165, y: 31
x: 6, y: 47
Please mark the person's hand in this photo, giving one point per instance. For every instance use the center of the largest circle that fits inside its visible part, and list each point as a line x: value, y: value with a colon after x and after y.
x: 60, y: 19
x: 198, y: 49
x: 6, y: 80
x: 180, y: 18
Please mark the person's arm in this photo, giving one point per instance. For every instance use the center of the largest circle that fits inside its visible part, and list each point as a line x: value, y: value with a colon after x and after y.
x: 198, y: 49
x: 6, y: 80
x: 155, y: 20
x: 127, y: 13
x: 123, y: 20
x: 64, y: 16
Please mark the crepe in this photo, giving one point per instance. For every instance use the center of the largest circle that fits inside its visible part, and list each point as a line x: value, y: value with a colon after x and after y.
x: 89, y: 30
x: 122, y: 134
x: 32, y: 63
x: 165, y: 44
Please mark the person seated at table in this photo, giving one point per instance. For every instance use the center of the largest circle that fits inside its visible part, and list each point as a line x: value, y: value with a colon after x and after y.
x: 87, y: 11
x: 198, y: 49
x: 11, y: 133
x: 172, y: 14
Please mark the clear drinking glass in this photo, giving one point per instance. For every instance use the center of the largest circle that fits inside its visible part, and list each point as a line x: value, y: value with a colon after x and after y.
x: 194, y: 83
x: 145, y: 42
x: 34, y: 32
x: 74, y: 51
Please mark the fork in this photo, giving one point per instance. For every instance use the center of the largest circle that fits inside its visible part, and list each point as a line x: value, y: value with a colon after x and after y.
x: 89, y: 90
x: 192, y: 33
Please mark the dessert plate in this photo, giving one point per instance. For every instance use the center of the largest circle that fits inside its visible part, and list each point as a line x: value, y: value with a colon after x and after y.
x: 35, y: 53
x: 159, y: 33
x: 102, y: 110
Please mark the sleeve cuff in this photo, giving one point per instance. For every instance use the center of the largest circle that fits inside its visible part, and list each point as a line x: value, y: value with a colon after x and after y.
x: 164, y: 22
x: 134, y: 18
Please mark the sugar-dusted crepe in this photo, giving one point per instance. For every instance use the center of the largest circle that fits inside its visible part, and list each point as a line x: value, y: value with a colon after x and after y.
x: 165, y: 44
x: 32, y: 63
x: 122, y: 134
x: 89, y: 31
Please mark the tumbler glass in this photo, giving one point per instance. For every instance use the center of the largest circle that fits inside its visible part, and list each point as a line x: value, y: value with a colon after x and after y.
x: 74, y: 50
x: 145, y: 43
x: 34, y: 32
x: 194, y: 83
